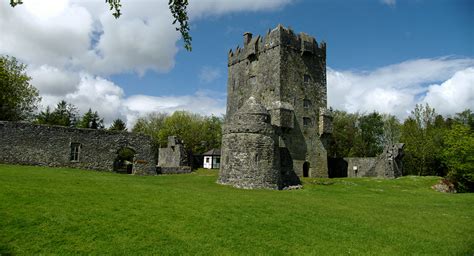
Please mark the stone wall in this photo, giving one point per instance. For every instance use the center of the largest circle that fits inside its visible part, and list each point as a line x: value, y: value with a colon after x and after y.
x: 386, y: 165
x: 24, y: 143
x: 173, y: 159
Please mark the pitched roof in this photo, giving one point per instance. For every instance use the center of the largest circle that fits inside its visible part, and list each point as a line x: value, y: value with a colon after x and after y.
x: 213, y: 152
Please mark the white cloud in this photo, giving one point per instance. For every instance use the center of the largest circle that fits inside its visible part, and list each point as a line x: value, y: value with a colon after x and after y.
x: 202, y: 8
x: 397, y: 88
x: 454, y: 95
x: 390, y: 3
x: 205, y: 103
x: 83, y: 35
x: 209, y: 74
x: 53, y: 81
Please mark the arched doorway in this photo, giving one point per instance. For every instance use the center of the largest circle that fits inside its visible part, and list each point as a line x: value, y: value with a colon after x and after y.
x: 124, y: 161
x: 306, y: 169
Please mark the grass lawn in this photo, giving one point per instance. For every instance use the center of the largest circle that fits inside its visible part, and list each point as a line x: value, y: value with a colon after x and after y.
x: 70, y: 211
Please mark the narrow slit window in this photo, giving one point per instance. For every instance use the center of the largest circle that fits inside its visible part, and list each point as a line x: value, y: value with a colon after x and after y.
x: 306, y: 79
x: 75, y: 149
x: 306, y: 103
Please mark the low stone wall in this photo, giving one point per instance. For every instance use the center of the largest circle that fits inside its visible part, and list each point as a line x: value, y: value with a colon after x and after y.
x: 24, y: 143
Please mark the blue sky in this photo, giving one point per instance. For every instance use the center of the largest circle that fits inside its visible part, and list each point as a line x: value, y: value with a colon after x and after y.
x: 384, y: 55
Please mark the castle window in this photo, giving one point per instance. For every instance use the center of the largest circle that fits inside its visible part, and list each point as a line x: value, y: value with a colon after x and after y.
x: 306, y: 103
x: 306, y: 121
x: 75, y: 148
x: 306, y: 79
x: 253, y: 80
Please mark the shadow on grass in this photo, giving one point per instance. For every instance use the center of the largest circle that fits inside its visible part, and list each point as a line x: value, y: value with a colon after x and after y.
x: 6, y: 250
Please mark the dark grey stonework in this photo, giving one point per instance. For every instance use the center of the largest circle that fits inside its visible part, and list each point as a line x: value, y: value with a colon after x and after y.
x: 286, y: 74
x: 23, y: 143
x: 173, y: 159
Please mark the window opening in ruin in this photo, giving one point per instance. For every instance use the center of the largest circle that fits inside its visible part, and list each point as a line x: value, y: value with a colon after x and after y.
x: 124, y: 161
x: 306, y: 169
x: 306, y: 121
x: 253, y: 80
x: 207, y: 159
x: 306, y: 103
x: 306, y: 79
x: 74, y: 156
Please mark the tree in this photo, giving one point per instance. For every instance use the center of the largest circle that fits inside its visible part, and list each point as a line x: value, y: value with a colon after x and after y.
x: 458, y: 155
x: 198, y: 133
x: 422, y: 135
x: 65, y: 114
x: 151, y: 126
x: 370, y: 140
x: 118, y: 125
x: 344, y: 133
x: 91, y: 120
x: 177, y: 8
x: 18, y: 98
x: 391, y: 129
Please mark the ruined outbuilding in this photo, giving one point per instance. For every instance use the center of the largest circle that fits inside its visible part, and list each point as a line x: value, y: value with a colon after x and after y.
x: 173, y: 159
x: 277, y: 124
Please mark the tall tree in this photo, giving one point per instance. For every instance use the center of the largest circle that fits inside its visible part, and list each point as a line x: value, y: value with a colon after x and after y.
x: 118, y: 125
x: 177, y: 8
x: 458, y: 155
x: 65, y: 114
x: 423, y: 141
x: 91, y: 120
x: 344, y: 133
x: 18, y: 98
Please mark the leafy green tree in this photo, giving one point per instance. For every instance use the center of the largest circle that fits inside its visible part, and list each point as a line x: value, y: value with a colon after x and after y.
x: 151, y: 125
x: 466, y: 117
x: 198, y: 133
x: 391, y: 129
x: 423, y: 142
x: 177, y: 8
x: 344, y: 133
x: 369, y: 142
x: 91, y: 120
x: 458, y: 155
x: 18, y: 98
x: 118, y: 125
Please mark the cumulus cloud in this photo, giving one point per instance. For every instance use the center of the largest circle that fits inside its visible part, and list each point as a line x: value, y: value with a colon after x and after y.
x: 397, y: 88
x: 454, y: 95
x: 83, y: 35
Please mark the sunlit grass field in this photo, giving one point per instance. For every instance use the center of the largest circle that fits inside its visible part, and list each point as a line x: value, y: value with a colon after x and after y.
x: 69, y: 211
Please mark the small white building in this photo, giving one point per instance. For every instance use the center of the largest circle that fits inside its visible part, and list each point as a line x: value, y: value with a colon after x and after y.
x: 212, y: 159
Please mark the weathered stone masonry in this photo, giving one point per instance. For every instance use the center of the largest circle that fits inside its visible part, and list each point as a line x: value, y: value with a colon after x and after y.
x: 284, y: 75
x: 23, y: 143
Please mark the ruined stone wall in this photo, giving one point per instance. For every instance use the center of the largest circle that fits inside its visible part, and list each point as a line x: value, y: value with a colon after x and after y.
x: 365, y: 166
x: 23, y: 143
x: 173, y: 158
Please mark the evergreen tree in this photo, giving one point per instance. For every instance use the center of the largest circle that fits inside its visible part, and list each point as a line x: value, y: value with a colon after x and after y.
x: 91, y: 120
x: 118, y: 125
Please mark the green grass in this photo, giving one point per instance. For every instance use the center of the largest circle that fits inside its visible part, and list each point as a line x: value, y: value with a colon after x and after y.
x: 70, y: 211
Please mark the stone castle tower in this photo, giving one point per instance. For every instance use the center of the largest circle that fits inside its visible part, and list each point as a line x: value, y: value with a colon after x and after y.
x: 277, y: 123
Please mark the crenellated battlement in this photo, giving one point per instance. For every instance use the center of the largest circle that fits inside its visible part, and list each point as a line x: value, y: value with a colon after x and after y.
x: 278, y: 37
